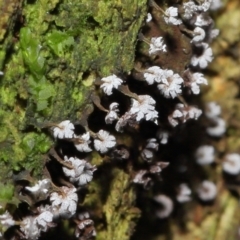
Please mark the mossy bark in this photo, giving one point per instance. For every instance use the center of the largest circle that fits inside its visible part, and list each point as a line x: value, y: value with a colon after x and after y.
x: 51, y: 52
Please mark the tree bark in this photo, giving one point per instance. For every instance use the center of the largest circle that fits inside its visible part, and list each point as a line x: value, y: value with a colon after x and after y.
x: 51, y: 53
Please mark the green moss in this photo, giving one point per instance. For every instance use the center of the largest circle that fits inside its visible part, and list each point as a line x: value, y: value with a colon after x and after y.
x: 16, y: 146
x: 77, y: 95
x: 49, y: 76
x: 4, y: 133
x: 8, y: 95
x: 113, y: 198
x: 31, y: 52
x: 89, y: 81
x: 59, y: 42
x: 37, y: 15
x: 107, y: 41
x: 119, y: 210
x: 46, y: 72
x: 6, y: 192
x: 42, y: 92
x: 34, y: 143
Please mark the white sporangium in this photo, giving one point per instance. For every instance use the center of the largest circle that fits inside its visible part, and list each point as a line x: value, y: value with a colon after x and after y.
x: 231, y: 164
x: 207, y: 191
x: 64, y: 203
x: 109, y: 83
x: 170, y: 85
x: 144, y: 108
x: 157, y: 44
x: 205, y: 154
x: 153, y: 74
x: 203, y: 59
x: 104, y: 141
x: 64, y: 129
x: 41, y: 189
x: 112, y: 114
x: 171, y: 16
x: 82, y: 171
x: 82, y: 142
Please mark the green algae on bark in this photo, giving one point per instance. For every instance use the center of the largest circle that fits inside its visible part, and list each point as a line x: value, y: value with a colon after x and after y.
x: 49, y: 72
x: 113, y: 194
x: 57, y: 51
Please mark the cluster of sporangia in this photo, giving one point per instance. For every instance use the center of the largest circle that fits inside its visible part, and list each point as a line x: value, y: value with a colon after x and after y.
x: 62, y: 202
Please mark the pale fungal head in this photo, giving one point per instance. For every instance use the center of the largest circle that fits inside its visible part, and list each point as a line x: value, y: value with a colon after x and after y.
x: 41, y: 189
x: 199, y: 35
x: 32, y: 226
x: 219, y: 129
x: 166, y: 206
x: 6, y: 220
x: 189, y: 9
x: 199, y: 78
x: 64, y: 204
x: 205, y: 58
x: 163, y: 136
x: 81, y: 173
x: 171, y: 16
x: 87, y: 174
x: 144, y: 108
x: 64, y: 129
x: 149, y: 17
x: 43, y: 220
x: 195, y: 88
x: 205, y: 5
x: 203, y: 20
x: 109, y: 83
x: 152, y: 144
x: 193, y: 113
x: 231, y: 164
x: 121, y: 153
x: 207, y: 191
x: 153, y: 74
x: 213, y: 34
x: 142, y: 178
x: 184, y: 193
x: 147, y: 154
x: 171, y: 85
x: 112, y: 115
x: 157, y: 44
x: 104, y: 142
x: 83, y: 215
x: 183, y: 113
x: 157, y: 167
x: 212, y: 110
x: 29, y: 228
x: 128, y: 119
x: 139, y: 177
x: 85, y: 226
x: 205, y: 154
x: 194, y: 80
x: 175, y: 117
x: 82, y: 143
